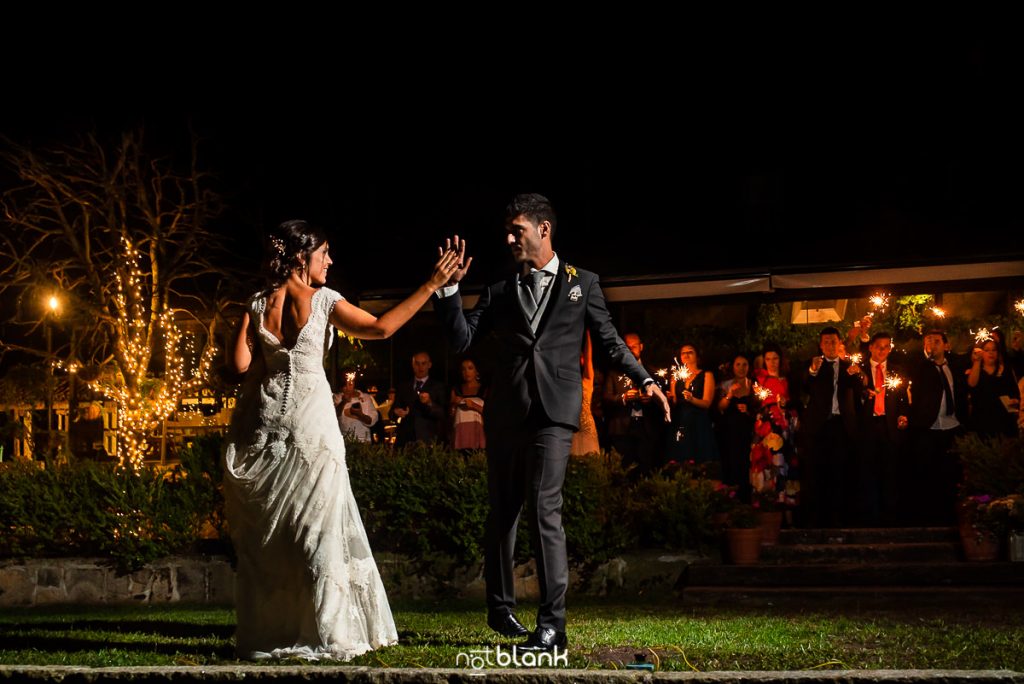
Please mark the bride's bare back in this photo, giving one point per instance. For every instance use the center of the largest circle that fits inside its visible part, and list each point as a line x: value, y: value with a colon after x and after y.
x: 288, y: 310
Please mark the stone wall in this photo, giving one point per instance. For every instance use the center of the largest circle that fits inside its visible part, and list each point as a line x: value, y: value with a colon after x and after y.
x: 211, y: 579
x: 86, y: 580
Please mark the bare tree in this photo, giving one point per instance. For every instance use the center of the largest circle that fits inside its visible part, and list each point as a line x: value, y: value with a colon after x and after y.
x: 121, y: 238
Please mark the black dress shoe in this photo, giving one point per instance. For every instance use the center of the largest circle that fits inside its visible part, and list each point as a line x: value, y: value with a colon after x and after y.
x: 506, y: 624
x: 544, y: 639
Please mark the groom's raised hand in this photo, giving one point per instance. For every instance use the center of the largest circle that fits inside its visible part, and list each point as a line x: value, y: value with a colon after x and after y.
x: 460, y: 248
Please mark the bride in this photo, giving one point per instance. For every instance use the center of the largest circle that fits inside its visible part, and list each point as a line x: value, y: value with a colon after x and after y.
x: 307, y: 582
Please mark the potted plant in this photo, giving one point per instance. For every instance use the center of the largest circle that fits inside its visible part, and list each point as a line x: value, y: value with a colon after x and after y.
x: 743, y: 536
x: 980, y: 529
x: 723, y: 501
x: 768, y: 508
x: 993, y: 479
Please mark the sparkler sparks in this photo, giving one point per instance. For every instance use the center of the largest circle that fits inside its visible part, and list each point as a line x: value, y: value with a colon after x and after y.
x: 893, y: 381
x: 984, y: 335
x: 938, y: 312
x: 879, y: 300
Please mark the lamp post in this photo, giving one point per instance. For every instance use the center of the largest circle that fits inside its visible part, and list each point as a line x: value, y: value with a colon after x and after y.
x: 53, y: 305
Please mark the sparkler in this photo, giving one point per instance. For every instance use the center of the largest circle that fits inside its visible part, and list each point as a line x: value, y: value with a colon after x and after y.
x: 893, y: 381
x: 938, y: 312
x: 984, y: 335
x: 1019, y: 306
x: 762, y: 392
x: 350, y: 376
x: 879, y: 300
x: 856, y: 358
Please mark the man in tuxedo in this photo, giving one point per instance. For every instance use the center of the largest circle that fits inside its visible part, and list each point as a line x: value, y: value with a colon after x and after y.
x: 420, y: 404
x: 636, y: 424
x: 882, y: 424
x: 938, y: 409
x: 540, y: 314
x: 833, y: 390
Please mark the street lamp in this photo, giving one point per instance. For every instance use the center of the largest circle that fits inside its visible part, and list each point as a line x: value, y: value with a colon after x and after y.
x: 53, y: 305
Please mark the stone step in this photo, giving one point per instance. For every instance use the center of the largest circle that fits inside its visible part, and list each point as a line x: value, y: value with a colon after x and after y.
x: 868, y: 535
x: 918, y: 552
x: 997, y: 574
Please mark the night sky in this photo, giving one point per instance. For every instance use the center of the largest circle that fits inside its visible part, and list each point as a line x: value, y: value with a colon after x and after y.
x: 710, y: 156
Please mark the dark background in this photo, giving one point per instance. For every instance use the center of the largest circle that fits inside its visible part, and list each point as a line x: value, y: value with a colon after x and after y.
x: 675, y: 152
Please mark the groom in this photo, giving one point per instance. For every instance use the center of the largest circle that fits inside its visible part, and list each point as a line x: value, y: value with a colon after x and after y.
x: 540, y: 314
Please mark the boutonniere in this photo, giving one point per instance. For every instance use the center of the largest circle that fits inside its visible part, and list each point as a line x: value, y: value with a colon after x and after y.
x: 570, y: 272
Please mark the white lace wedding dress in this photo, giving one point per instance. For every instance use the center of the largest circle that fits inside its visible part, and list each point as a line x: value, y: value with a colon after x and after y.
x: 307, y: 583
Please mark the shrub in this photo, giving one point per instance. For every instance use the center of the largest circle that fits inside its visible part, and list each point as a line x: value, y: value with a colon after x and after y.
x: 96, y: 509
x: 426, y: 502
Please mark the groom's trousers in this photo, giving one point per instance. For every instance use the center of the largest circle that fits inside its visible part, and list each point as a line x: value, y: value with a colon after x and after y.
x: 527, y: 466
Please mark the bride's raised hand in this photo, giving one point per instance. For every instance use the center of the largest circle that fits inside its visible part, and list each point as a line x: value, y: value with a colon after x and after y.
x: 459, y: 246
x: 447, y: 264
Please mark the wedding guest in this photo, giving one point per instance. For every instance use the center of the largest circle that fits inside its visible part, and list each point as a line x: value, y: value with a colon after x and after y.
x: 993, y: 391
x: 467, y: 408
x: 735, y: 427
x: 833, y: 388
x: 419, y: 404
x: 357, y: 413
x: 693, y: 438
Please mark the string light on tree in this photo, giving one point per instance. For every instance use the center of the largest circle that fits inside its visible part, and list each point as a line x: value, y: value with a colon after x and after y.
x: 143, y: 401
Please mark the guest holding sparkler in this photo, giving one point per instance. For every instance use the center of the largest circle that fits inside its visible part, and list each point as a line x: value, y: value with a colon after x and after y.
x: 993, y: 390
x: 636, y: 425
x: 829, y: 427
x: 773, y: 458
x: 881, y: 467
x: 692, y: 390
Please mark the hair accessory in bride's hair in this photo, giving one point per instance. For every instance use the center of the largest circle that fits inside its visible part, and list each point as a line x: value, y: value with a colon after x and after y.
x: 278, y: 244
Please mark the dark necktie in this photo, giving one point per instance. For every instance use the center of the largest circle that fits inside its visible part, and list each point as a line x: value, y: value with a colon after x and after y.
x: 946, y: 389
x: 531, y: 282
x: 419, y: 386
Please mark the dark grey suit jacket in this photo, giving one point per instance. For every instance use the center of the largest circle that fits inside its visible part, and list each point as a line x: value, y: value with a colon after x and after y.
x: 544, y: 366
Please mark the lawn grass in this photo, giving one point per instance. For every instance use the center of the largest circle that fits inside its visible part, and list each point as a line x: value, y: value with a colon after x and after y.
x: 770, y: 635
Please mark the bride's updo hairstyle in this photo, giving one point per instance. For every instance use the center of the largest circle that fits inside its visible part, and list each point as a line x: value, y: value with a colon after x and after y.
x: 288, y: 247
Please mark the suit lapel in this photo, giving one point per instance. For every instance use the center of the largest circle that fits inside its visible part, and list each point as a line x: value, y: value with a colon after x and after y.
x: 512, y: 287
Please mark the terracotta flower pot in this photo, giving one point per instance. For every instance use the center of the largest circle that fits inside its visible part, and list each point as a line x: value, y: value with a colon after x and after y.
x: 978, y: 546
x: 770, y: 524
x: 744, y: 545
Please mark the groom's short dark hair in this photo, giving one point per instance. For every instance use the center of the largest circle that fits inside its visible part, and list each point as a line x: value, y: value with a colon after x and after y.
x: 537, y: 208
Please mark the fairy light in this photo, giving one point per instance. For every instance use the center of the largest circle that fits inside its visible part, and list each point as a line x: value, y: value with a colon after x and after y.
x: 139, y: 413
